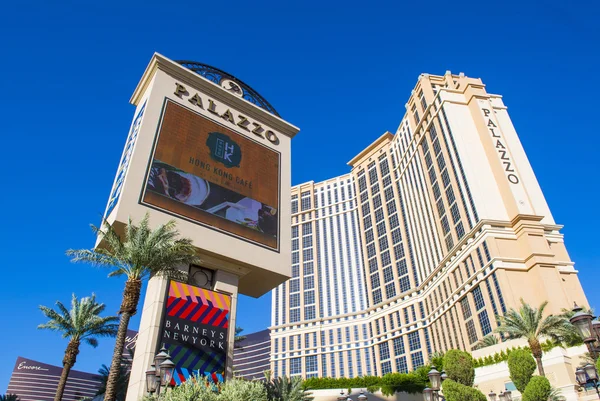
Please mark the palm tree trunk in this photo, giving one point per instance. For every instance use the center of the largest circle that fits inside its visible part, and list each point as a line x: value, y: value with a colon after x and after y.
x: 68, y: 362
x: 536, y: 350
x: 131, y: 297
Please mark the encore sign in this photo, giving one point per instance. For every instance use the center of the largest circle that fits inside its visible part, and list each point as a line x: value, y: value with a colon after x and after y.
x: 195, y: 331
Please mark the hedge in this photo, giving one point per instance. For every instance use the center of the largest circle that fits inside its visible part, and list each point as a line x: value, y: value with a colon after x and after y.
x: 412, y: 382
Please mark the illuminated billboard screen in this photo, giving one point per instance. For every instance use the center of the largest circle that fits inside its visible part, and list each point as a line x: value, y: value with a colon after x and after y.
x: 194, y: 330
x: 208, y: 174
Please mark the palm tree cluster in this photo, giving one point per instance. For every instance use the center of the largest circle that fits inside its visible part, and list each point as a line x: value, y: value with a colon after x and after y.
x: 137, y: 254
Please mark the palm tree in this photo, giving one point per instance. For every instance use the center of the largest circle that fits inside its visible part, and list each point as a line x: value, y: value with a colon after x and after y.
x: 238, y: 338
x: 82, y: 323
x: 9, y: 397
x: 530, y: 323
x: 122, y: 382
x: 285, y: 388
x: 140, y: 254
x: 486, y: 341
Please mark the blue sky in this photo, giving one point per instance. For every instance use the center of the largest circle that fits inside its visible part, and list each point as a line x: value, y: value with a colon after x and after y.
x: 341, y: 71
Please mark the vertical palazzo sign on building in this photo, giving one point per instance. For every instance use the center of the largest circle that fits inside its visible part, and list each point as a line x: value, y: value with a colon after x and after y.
x: 211, y: 175
x: 195, y: 331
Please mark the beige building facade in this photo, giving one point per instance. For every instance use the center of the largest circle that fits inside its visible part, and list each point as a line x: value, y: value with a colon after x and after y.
x: 435, y: 231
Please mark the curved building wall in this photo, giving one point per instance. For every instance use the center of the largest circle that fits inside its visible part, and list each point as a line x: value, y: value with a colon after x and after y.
x: 251, y: 356
x: 36, y: 381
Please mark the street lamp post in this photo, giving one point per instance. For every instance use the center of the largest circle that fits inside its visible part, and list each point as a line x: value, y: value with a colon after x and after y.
x: 435, y: 379
x: 160, y: 373
x: 588, y: 330
x: 588, y: 374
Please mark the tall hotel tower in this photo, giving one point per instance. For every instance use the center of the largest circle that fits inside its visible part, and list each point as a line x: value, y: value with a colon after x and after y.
x: 435, y: 231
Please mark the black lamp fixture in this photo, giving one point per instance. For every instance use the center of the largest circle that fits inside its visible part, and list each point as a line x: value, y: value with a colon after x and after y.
x: 436, y: 378
x: 362, y: 396
x: 588, y: 330
x: 160, y: 373
x: 587, y: 374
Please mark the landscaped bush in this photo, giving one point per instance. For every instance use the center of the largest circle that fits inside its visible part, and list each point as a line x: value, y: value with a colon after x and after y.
x: 319, y: 383
x: 199, y: 389
x: 459, y: 367
x: 454, y: 391
x: 521, y: 366
x: 538, y: 389
x: 503, y: 355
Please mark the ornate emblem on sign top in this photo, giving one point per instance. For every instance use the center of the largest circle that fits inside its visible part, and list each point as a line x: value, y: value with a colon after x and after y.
x: 230, y: 83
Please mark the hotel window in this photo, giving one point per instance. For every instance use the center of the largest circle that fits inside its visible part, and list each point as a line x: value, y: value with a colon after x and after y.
x: 384, y: 351
x: 308, y: 268
x: 414, y: 342
x: 423, y: 101
x: 386, y: 367
x: 294, y: 300
x: 294, y: 285
x: 366, y: 209
x: 362, y: 184
x: 415, y: 113
x: 414, y: 314
x: 307, y: 241
x: 478, y: 298
x: 295, y: 271
x: 385, y: 258
x: 375, y: 281
x: 371, y: 250
x: 369, y: 236
x: 466, y: 309
x: 295, y: 366
x: 383, y: 244
x: 390, y: 290
x: 309, y: 312
x: 417, y: 359
x: 394, y: 222
x: 404, y: 284
x: 307, y: 254
x: 391, y: 207
x: 294, y: 204
x: 309, y: 297
x: 305, y: 201
x: 384, y: 166
x: 398, y: 346
x: 484, y: 322
x: 309, y: 282
x: 388, y: 275
x: 306, y: 228
x: 372, y: 174
x: 376, y: 201
x: 381, y: 228
x: 377, y: 296
x: 498, y: 292
x: 373, y: 265
x: 471, y: 332
x: 294, y: 315
x: 368, y: 223
x: 401, y: 366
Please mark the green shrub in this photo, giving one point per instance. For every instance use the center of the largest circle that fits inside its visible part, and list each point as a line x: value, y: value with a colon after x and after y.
x: 521, y: 366
x: 242, y: 390
x: 459, y: 366
x: 437, y: 359
x: 412, y: 383
x: 598, y: 364
x: 454, y: 391
x: 538, y: 389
